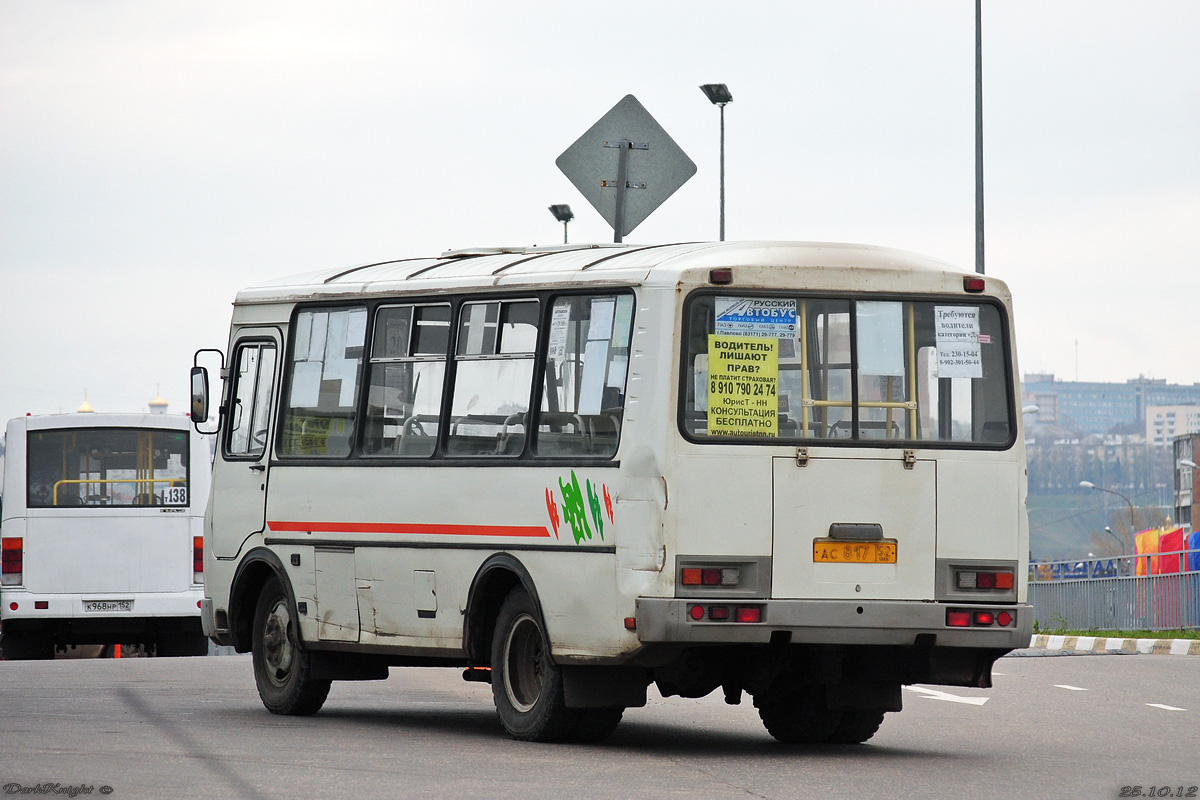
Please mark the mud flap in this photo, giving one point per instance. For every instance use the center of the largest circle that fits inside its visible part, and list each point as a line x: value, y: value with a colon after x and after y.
x: 604, y: 687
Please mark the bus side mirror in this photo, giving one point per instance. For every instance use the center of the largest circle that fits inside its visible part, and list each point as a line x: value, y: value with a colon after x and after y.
x: 199, y: 395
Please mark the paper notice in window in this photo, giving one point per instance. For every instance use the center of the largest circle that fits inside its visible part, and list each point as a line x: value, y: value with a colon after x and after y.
x: 560, y: 319
x: 743, y: 385
x: 773, y: 318
x: 957, y: 332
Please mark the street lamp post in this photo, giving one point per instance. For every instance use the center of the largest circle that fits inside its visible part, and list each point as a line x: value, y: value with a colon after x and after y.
x: 562, y: 213
x: 718, y: 94
x: 1132, y: 524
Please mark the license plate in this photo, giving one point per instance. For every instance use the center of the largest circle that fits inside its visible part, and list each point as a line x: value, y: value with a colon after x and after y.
x: 107, y: 606
x: 831, y: 551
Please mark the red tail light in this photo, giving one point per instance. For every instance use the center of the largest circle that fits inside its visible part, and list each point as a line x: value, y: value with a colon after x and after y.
x: 197, y: 559
x: 749, y: 614
x: 958, y: 619
x: 12, y: 558
x: 990, y: 581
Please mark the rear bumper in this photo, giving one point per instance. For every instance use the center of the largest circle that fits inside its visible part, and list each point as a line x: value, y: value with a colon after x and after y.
x: 666, y: 620
x: 144, y: 605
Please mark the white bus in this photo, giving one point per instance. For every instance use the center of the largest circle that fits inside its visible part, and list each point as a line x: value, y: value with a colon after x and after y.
x: 793, y: 471
x: 102, y: 533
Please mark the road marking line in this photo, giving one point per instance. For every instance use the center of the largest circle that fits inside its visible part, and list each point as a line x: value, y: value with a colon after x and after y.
x: 1071, y: 688
x: 934, y: 694
x: 1165, y: 708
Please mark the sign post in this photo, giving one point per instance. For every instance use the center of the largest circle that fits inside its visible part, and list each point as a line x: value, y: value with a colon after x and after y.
x: 649, y: 166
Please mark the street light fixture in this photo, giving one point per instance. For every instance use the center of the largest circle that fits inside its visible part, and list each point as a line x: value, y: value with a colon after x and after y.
x: 562, y: 213
x: 718, y: 94
x: 1108, y: 529
x: 1132, y: 524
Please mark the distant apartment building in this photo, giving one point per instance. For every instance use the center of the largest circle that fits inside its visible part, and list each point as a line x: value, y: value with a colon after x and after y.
x: 1164, y: 423
x: 1092, y: 407
x: 1185, y: 451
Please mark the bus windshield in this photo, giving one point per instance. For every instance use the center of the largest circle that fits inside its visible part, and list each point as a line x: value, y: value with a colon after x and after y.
x: 107, y: 467
x: 790, y: 367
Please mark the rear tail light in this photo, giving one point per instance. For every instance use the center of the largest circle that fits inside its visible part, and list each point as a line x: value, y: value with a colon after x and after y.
x: 710, y: 576
x: 749, y: 614
x: 964, y: 618
x: 723, y: 613
x: 985, y: 581
x: 12, y: 558
x: 197, y: 559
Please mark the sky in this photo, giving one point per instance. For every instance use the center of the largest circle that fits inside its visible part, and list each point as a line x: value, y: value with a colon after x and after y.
x: 156, y: 157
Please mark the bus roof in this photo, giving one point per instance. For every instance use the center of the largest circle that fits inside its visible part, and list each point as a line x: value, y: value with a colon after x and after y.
x: 100, y: 420
x: 661, y: 265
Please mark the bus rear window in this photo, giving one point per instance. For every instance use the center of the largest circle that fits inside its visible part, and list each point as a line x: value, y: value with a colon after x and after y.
x: 107, y: 467
x: 801, y: 368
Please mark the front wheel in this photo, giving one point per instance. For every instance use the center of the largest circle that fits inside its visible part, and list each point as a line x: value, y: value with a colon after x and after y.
x: 282, y: 667
x: 528, y: 686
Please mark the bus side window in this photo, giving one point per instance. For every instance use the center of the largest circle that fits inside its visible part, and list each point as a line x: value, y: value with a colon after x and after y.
x: 587, y: 359
x: 408, y: 366
x: 251, y: 410
x: 494, y: 357
x: 322, y: 384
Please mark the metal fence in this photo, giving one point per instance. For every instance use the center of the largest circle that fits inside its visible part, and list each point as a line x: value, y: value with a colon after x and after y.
x: 1107, y: 594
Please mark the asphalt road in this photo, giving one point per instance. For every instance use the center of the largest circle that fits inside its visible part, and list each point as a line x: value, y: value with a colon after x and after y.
x: 1054, y: 726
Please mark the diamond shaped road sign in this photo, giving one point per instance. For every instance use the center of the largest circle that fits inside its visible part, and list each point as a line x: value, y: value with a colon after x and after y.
x: 626, y: 165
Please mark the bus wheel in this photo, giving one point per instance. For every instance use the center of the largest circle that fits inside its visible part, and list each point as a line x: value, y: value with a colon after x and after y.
x: 23, y: 647
x: 526, y: 684
x: 857, y: 725
x: 802, y: 718
x: 282, y: 667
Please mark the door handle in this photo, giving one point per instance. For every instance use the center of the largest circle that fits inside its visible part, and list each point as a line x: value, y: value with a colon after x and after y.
x: 258, y: 467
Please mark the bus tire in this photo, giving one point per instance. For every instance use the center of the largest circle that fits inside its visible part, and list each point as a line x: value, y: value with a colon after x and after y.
x: 282, y: 666
x: 801, y: 718
x: 26, y: 647
x: 857, y: 725
x: 526, y: 684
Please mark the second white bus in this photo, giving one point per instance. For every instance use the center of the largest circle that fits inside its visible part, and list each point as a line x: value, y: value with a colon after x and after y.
x: 793, y: 471
x: 101, y: 534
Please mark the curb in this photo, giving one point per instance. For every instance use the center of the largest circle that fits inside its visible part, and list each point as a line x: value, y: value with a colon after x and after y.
x: 1099, y: 644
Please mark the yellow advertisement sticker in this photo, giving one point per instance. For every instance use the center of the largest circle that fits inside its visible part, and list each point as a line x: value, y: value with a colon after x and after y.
x: 743, y: 379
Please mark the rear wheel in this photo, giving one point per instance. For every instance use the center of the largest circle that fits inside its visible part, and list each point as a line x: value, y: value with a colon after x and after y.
x: 806, y: 718
x: 282, y: 667
x: 528, y: 686
x: 801, y: 718
x: 857, y: 725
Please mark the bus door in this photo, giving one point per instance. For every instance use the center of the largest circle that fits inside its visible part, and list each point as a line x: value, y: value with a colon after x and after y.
x: 855, y: 528
x: 240, y: 472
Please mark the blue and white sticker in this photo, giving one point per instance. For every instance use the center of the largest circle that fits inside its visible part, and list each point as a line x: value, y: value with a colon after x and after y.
x: 750, y: 316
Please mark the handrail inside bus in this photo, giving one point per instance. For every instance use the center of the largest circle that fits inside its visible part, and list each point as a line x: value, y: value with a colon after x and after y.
x: 168, y: 481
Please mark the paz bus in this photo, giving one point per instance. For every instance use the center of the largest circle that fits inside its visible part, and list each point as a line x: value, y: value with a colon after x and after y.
x: 102, y: 533
x: 793, y: 472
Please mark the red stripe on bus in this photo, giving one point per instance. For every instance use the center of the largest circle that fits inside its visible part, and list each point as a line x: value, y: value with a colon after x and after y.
x: 408, y: 528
